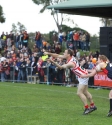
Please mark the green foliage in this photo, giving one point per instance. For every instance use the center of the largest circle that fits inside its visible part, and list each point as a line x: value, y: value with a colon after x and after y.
x: 31, y: 43
x: 41, y: 104
x: 66, y: 28
x: 45, y: 36
x: 95, y: 44
x: 18, y: 28
x: 46, y: 3
x: 21, y: 27
x: 106, y: 22
x: 2, y: 18
x: 14, y: 28
x: 31, y: 35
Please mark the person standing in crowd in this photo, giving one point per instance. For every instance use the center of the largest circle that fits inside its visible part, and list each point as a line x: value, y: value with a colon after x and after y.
x: 57, y: 49
x: 9, y: 43
x: 87, y: 41
x: 6, y: 70
x: 28, y: 66
x: 22, y: 70
x: 21, y: 39
x: 38, y: 40
x: 68, y: 39
x: 2, y: 35
x: 40, y: 69
x: 76, y: 40
x: 64, y: 40
x: 3, y: 40
x: 60, y: 37
x: 54, y: 37
x: 7, y: 35
x: 102, y: 64
x: 11, y: 36
x: 34, y: 66
x: 16, y: 40
x: 0, y: 45
x: 82, y: 41
x: 82, y: 91
x: 1, y: 70
x: 25, y: 39
x: 60, y: 72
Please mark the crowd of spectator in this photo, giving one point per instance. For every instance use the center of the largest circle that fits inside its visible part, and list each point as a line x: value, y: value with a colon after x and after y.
x: 18, y: 60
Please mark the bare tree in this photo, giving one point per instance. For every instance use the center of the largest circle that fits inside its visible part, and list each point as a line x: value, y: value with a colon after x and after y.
x: 54, y: 13
x: 106, y: 22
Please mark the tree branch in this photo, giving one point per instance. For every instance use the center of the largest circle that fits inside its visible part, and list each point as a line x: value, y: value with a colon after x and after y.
x: 61, y: 18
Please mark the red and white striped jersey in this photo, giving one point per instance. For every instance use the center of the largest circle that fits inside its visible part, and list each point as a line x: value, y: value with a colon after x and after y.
x: 78, y: 70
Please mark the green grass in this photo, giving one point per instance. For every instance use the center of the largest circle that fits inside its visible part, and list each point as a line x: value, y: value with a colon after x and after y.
x: 40, y: 104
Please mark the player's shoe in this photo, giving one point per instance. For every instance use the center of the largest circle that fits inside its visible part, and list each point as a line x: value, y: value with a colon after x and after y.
x: 89, y: 110
x: 92, y: 109
x: 86, y: 111
x: 109, y: 114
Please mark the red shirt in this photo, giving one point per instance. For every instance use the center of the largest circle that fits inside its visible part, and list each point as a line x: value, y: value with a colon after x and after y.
x: 76, y: 36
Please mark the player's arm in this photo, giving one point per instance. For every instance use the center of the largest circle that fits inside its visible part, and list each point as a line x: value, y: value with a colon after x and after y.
x: 68, y: 65
x: 89, y: 70
x: 54, y: 55
x: 93, y: 72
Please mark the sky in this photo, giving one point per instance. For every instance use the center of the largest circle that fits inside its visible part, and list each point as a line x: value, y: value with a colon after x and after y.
x: 27, y: 13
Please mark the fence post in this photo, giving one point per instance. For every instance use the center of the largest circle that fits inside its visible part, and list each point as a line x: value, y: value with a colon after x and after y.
x: 31, y: 74
x: 13, y: 74
x: 47, y: 75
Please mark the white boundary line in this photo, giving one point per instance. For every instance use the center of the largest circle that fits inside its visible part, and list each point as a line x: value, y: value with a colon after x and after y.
x: 37, y: 107
x: 51, y: 90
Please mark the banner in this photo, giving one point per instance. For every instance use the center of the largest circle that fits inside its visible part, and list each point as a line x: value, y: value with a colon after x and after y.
x: 101, y: 79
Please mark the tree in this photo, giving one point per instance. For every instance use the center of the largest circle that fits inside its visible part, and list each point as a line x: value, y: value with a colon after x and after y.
x: 2, y: 18
x: 18, y: 28
x: 54, y: 13
x: 95, y: 44
x: 14, y: 28
x: 21, y: 27
x: 106, y: 22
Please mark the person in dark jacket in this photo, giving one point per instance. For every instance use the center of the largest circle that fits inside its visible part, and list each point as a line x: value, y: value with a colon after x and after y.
x: 22, y: 70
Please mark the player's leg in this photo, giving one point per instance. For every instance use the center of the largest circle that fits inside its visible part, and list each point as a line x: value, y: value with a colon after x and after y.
x: 80, y: 93
x: 89, y: 97
x: 110, y: 98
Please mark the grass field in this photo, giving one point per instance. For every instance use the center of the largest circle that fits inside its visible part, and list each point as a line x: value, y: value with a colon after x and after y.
x: 40, y: 104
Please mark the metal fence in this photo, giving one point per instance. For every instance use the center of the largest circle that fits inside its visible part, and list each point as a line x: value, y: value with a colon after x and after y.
x: 68, y: 78
x: 44, y: 75
x: 20, y: 76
